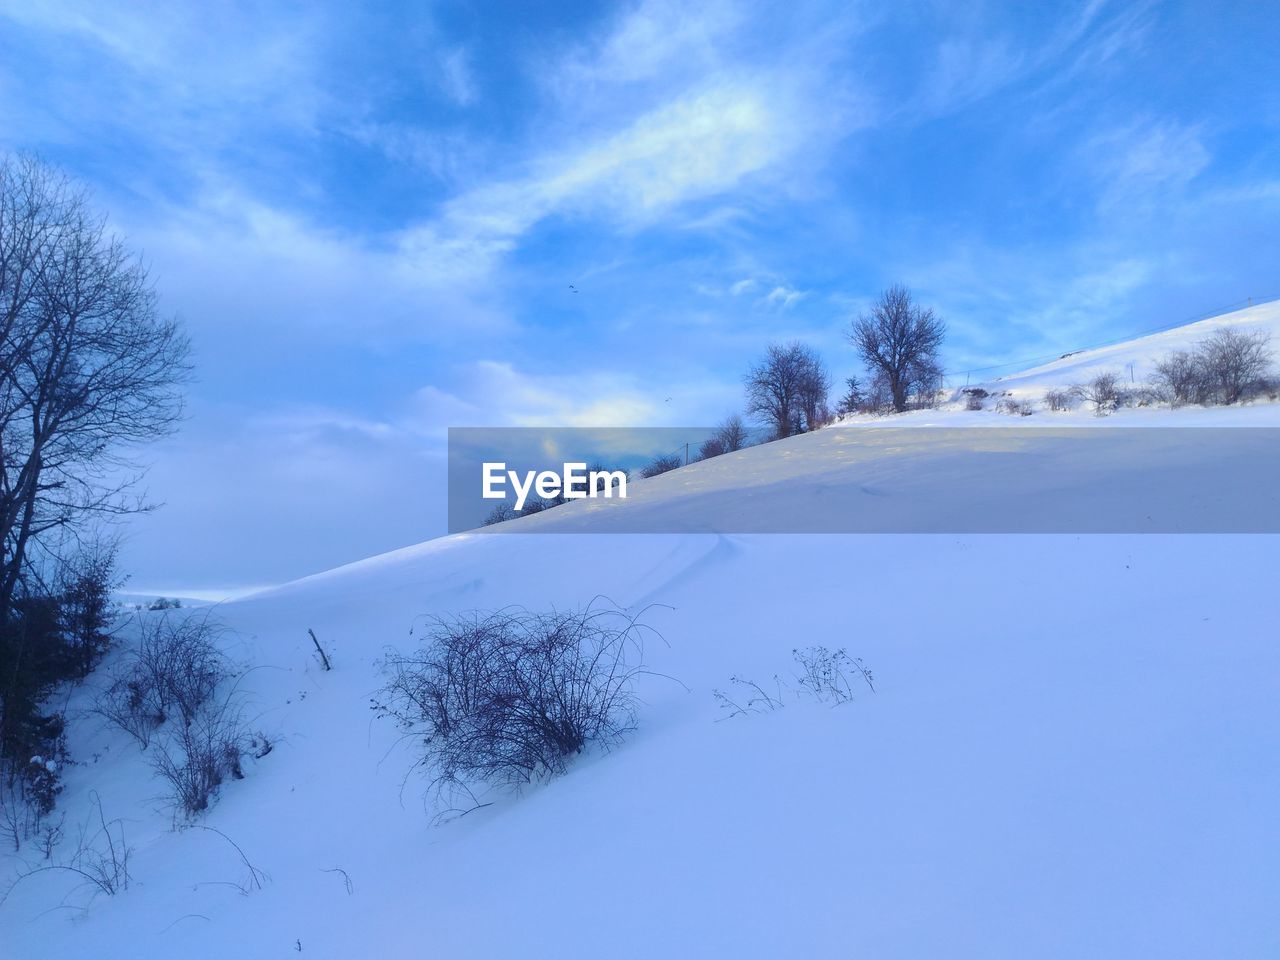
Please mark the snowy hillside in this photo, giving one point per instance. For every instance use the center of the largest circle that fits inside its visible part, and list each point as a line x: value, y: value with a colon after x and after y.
x: 1133, y: 360
x: 1067, y: 753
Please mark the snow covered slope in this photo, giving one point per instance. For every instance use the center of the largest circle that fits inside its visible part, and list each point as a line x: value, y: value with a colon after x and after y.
x: 1134, y: 360
x: 1069, y: 754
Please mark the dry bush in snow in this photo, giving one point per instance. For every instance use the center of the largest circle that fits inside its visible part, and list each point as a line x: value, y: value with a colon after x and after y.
x: 173, y: 671
x: 174, y: 674
x: 1234, y: 362
x: 100, y: 859
x: 660, y: 465
x: 1226, y: 367
x: 821, y: 674
x: 512, y: 696
x: 199, y: 756
x: 1058, y: 400
x: 1180, y: 379
x: 1103, y: 391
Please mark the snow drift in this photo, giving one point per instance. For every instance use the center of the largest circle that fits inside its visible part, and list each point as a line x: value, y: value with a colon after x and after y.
x: 1068, y: 754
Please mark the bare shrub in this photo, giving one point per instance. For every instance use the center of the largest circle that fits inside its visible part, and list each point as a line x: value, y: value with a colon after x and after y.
x: 1103, y: 391
x: 972, y: 401
x: 1015, y: 408
x: 711, y: 447
x: 500, y: 514
x: 821, y: 674
x: 660, y: 465
x: 828, y: 675
x: 199, y: 756
x: 101, y: 857
x: 1058, y: 400
x: 1180, y: 379
x: 1226, y: 367
x: 1233, y: 362
x: 173, y: 671
x: 511, y: 697
x: 749, y: 697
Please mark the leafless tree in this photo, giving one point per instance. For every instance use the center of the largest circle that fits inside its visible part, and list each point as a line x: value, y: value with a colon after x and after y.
x: 732, y: 434
x: 815, y: 384
x: 500, y: 514
x: 1103, y: 391
x: 659, y: 465
x: 728, y: 437
x: 1058, y: 400
x: 1233, y: 361
x: 900, y: 340
x: 787, y: 390
x: 1180, y: 379
x: 711, y: 447
x: 88, y: 369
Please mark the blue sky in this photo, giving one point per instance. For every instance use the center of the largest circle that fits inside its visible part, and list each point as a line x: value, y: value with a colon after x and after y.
x: 370, y: 216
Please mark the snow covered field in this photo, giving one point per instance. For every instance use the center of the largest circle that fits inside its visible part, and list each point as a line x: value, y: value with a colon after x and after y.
x: 1070, y: 751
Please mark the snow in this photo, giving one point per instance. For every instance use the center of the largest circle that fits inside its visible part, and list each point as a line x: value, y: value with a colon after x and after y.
x: 1134, y: 360
x: 1069, y: 753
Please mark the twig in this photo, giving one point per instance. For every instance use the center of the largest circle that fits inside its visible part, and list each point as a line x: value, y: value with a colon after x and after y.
x: 319, y: 649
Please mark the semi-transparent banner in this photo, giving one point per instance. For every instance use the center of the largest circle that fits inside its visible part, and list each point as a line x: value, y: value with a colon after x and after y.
x: 866, y: 479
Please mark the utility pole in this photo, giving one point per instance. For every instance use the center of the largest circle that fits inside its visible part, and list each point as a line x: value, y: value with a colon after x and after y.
x: 686, y: 453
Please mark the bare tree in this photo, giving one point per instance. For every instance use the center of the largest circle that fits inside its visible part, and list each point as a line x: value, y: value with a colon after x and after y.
x: 787, y: 390
x: 815, y: 383
x: 1233, y: 361
x: 87, y: 369
x: 732, y: 434
x: 659, y: 465
x: 1180, y: 379
x: 711, y: 447
x: 1103, y: 391
x: 900, y: 340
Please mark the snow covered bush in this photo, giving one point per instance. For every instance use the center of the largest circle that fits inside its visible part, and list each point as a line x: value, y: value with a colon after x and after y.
x: 511, y: 697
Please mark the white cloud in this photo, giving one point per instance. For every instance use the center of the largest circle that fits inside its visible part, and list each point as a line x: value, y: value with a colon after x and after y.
x: 692, y: 148
x: 652, y: 40
x: 1145, y: 162
x: 784, y: 296
x: 457, y: 78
